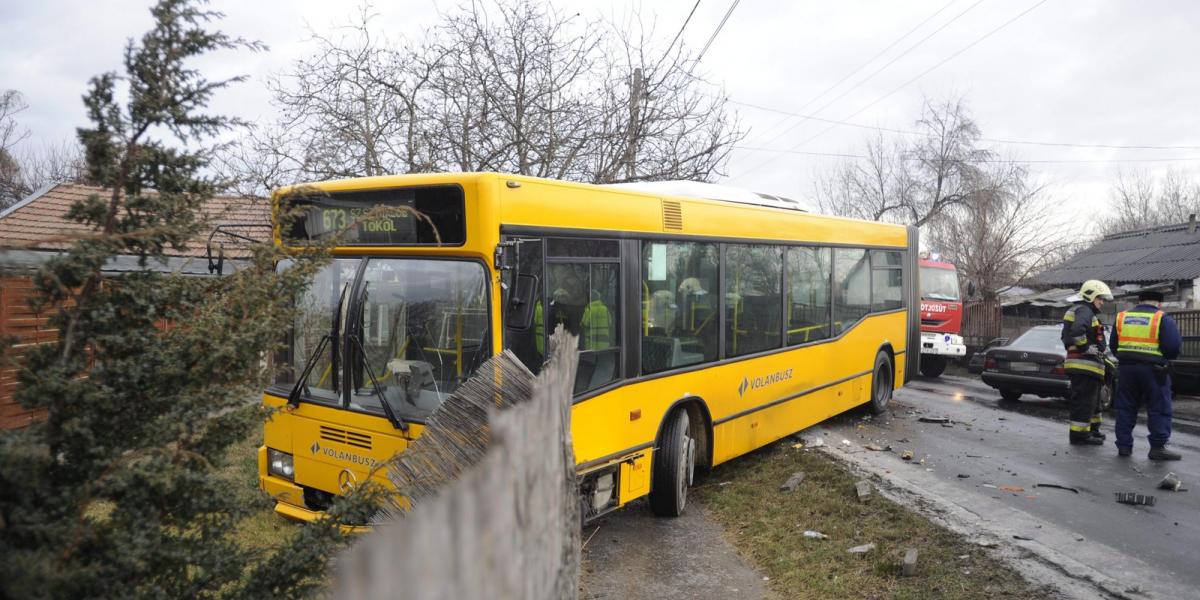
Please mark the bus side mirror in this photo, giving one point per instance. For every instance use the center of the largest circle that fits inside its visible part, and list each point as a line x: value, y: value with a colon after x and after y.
x: 519, y: 314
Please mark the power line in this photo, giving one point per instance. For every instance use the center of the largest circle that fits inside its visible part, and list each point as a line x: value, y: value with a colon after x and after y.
x: 863, y: 65
x: 990, y: 160
x: 684, y: 26
x: 905, y: 84
x: 929, y: 70
x: 720, y: 26
x: 880, y: 69
x: 985, y: 139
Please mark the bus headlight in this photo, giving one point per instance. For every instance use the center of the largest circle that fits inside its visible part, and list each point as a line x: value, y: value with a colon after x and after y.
x: 280, y: 464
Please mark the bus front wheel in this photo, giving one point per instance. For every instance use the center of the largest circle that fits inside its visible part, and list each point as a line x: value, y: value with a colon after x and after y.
x: 674, y: 465
x: 881, y: 382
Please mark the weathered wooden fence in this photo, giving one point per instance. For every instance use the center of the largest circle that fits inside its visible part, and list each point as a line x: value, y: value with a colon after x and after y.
x: 26, y: 329
x: 508, y: 525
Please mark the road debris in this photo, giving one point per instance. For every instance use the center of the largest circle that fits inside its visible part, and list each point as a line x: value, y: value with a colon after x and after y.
x: 963, y: 476
x: 908, y: 567
x: 1056, y: 486
x: 815, y: 535
x: 1170, y: 482
x: 934, y: 419
x: 1015, y: 489
x: 1134, y: 498
x: 817, y: 442
x: 797, y: 445
x: 863, y: 489
x: 1022, y: 538
x: 907, y: 455
x: 846, y: 443
x: 878, y: 448
x: 863, y: 549
x: 792, y: 482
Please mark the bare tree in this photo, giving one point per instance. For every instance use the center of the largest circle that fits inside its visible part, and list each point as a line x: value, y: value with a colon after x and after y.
x: 1002, y: 233
x: 913, y: 182
x: 1141, y: 201
x: 25, y: 169
x: 879, y: 188
x: 11, y: 133
x: 510, y: 85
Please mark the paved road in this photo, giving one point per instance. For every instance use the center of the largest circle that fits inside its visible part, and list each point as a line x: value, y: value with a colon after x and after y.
x: 1125, y: 551
x: 633, y: 555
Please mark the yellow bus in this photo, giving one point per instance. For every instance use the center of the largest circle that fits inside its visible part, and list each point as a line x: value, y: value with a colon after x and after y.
x: 707, y: 328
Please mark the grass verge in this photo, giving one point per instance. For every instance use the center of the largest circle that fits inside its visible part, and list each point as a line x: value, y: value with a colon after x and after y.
x: 262, y: 529
x: 766, y: 525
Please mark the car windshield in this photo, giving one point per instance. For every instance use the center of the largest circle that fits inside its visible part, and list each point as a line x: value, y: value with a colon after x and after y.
x: 1040, y: 338
x: 939, y: 284
x: 416, y: 330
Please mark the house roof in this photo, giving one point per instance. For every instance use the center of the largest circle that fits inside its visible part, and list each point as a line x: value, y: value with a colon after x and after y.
x: 40, y: 222
x: 1167, y: 253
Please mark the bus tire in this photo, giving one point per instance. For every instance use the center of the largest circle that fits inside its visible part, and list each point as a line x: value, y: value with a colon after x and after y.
x: 881, y: 382
x: 673, y: 467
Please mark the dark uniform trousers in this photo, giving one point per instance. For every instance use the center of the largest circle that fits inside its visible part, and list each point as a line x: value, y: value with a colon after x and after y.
x: 1084, y: 403
x: 1137, y: 385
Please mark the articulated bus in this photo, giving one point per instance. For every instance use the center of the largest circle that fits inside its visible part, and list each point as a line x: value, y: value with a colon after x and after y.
x: 706, y: 328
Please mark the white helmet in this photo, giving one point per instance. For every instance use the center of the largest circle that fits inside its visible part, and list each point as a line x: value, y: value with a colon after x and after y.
x: 1093, y: 288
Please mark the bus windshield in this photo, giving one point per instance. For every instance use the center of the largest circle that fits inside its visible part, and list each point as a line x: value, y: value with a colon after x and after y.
x: 410, y: 331
x: 939, y: 284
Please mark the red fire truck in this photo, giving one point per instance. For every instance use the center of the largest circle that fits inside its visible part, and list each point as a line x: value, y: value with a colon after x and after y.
x: 941, y: 315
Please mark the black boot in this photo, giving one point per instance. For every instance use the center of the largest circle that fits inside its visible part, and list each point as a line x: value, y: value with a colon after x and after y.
x: 1124, y: 451
x: 1084, y: 438
x: 1161, y: 453
x: 1099, y: 435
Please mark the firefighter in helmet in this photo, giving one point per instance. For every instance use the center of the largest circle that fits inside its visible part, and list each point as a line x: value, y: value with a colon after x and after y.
x: 1145, y: 340
x: 1083, y: 337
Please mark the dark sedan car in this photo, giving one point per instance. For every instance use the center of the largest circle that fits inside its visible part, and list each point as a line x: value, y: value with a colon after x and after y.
x: 1033, y: 364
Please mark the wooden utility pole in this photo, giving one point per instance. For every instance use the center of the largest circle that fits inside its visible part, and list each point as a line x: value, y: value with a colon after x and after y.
x: 635, y: 99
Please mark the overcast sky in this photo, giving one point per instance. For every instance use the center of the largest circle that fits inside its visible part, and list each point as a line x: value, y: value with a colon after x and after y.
x: 1072, y: 72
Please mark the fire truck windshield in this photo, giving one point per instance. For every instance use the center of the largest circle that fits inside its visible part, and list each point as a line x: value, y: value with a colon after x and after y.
x: 939, y: 284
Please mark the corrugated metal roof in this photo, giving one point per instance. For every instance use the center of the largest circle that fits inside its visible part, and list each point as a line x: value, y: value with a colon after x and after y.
x: 1168, y: 253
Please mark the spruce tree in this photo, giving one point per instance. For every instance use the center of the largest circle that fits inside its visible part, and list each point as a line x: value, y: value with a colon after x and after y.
x: 118, y: 494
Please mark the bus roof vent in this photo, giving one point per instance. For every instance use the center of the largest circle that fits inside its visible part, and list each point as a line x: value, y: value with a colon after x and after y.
x: 672, y: 215
x: 712, y: 191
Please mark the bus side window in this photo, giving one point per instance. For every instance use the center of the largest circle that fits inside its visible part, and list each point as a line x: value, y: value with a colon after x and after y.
x: 583, y: 288
x: 852, y: 287
x: 680, y: 319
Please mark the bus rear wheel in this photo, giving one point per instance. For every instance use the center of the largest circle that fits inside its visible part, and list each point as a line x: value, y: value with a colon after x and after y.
x: 881, y: 383
x: 674, y: 466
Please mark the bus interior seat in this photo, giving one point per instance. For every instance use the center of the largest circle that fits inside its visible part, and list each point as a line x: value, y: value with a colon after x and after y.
x: 596, y: 369
x: 662, y: 353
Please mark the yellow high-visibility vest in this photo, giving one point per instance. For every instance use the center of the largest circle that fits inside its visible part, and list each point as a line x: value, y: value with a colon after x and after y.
x: 597, y: 326
x: 1138, y: 332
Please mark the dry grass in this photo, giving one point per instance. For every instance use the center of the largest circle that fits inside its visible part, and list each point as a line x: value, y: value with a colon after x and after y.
x: 766, y: 525
x: 262, y: 530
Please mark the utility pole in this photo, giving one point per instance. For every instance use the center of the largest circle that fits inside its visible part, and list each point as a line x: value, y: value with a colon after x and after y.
x: 635, y: 99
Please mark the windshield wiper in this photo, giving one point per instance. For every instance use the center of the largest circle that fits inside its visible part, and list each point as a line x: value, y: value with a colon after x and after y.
x: 392, y: 417
x: 302, y: 381
x: 293, y: 399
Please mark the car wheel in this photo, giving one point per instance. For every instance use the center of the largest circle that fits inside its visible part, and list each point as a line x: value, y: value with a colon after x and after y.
x: 1010, y: 395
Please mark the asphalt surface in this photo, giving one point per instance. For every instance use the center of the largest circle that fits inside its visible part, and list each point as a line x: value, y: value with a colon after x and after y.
x: 989, y: 466
x: 633, y: 555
